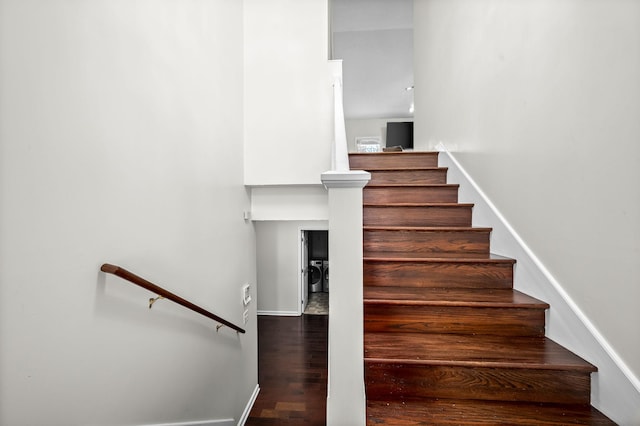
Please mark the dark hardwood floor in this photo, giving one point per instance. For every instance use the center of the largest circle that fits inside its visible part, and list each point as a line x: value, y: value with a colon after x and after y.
x: 292, y: 371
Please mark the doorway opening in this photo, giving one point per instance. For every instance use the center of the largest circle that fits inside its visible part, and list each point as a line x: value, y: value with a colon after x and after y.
x: 314, y: 280
x: 374, y: 39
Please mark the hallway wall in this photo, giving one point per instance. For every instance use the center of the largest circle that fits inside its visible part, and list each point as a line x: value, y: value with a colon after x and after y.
x: 121, y: 141
x: 539, y: 101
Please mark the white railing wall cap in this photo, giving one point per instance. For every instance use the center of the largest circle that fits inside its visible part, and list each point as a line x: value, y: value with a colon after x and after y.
x: 345, y: 179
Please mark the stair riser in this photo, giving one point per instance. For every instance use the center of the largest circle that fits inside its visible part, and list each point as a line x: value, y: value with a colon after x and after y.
x: 408, y: 194
x: 421, y: 177
x: 390, y: 161
x: 489, y: 413
x: 454, y: 320
x: 438, y: 274
x: 399, y: 381
x: 426, y: 242
x: 417, y: 216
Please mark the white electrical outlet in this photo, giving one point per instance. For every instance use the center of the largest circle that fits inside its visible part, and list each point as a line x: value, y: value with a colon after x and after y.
x: 245, y: 316
x: 246, y: 294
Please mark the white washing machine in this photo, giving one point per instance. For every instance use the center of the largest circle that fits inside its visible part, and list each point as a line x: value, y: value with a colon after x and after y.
x: 316, y: 276
x: 325, y: 276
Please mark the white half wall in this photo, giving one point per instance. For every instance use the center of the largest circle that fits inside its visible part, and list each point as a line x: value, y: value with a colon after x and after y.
x: 288, y: 109
x: 289, y: 202
x: 121, y: 141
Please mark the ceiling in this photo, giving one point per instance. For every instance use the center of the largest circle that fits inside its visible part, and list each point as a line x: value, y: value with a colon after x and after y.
x: 374, y: 38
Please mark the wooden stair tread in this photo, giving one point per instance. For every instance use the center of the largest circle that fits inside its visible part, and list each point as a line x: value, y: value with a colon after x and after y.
x: 427, y: 228
x: 496, y: 298
x: 489, y: 351
x: 466, y: 205
x: 392, y: 153
x: 412, y: 185
x: 404, y: 169
x: 413, y: 152
x: 470, y: 412
x: 442, y: 257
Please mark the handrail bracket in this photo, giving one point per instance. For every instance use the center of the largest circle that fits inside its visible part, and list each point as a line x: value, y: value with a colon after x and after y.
x: 153, y: 300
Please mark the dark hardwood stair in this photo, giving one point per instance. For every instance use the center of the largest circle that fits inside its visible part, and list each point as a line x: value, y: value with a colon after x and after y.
x: 425, y: 240
x: 436, y: 412
x: 454, y: 272
x: 417, y: 214
x: 411, y: 175
x: 392, y: 160
x: 451, y: 310
x: 414, y: 193
x: 447, y: 339
x: 482, y: 367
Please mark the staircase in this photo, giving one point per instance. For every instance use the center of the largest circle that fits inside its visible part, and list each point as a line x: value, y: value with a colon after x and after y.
x: 447, y: 340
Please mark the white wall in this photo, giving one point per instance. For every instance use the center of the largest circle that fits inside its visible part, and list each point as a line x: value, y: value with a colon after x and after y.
x: 378, y: 66
x: 278, y: 253
x: 288, y: 92
x: 289, y: 202
x: 375, y: 40
x: 541, y: 101
x: 121, y: 141
x: 613, y: 391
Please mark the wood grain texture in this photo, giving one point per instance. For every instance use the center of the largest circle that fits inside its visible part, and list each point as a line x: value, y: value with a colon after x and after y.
x: 386, y: 381
x: 380, y: 194
x: 441, y: 272
x: 472, y: 350
x: 421, y: 176
x: 442, y: 321
x: 453, y: 319
x: 460, y: 311
x: 435, y: 412
x: 417, y: 214
x: 474, y: 297
x: 292, y: 371
x: 430, y: 241
x: 397, y: 160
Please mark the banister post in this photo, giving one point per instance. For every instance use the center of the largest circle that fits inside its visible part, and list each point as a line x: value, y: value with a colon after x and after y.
x: 346, y: 401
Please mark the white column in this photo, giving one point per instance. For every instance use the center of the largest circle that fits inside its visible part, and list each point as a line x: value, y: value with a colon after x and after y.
x: 346, y: 401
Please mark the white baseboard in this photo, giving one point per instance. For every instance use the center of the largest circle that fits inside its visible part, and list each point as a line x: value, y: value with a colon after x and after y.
x: 279, y: 313
x: 249, y: 406
x: 220, y: 422
x: 615, y: 390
